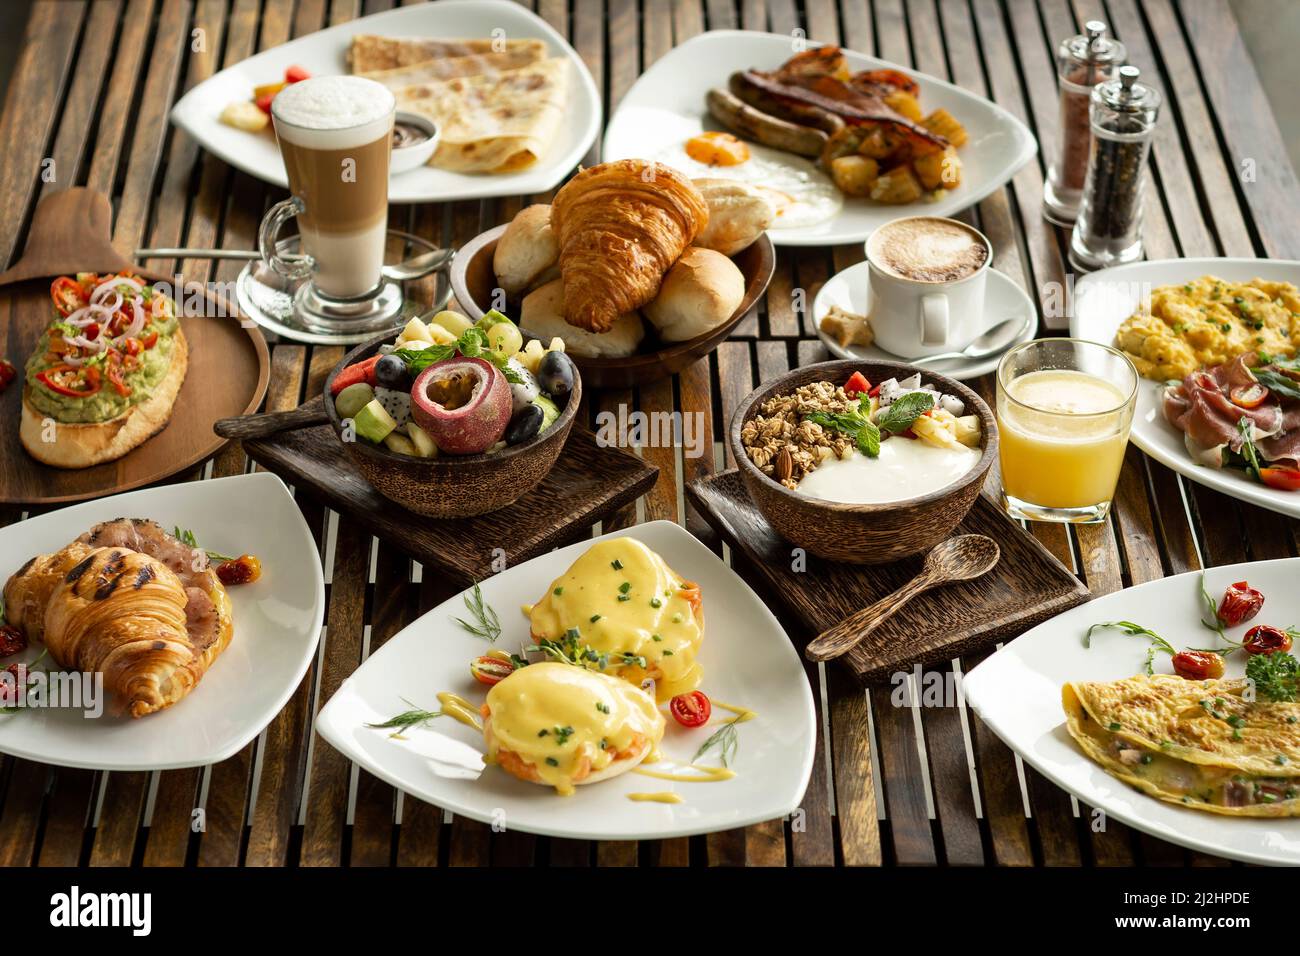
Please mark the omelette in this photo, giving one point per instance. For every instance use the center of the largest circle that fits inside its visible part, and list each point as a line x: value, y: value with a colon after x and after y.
x: 1209, y: 321
x: 1199, y: 744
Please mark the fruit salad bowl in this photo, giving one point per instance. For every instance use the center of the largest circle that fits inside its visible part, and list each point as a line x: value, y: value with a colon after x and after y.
x: 447, y: 485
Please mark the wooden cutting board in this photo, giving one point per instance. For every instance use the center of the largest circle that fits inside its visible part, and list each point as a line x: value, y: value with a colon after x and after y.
x: 228, y: 371
x: 1027, y: 586
x: 587, y: 482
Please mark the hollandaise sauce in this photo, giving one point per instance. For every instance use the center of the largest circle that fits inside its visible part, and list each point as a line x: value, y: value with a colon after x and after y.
x: 661, y: 797
x: 742, y: 714
x: 628, y: 606
x: 689, y: 773
x: 458, y: 708
x: 557, y: 724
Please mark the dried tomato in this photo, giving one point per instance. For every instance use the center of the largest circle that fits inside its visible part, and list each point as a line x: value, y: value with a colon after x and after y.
x: 1266, y: 639
x: 1198, y: 665
x: 1240, y: 603
x: 244, y: 569
x: 12, y: 640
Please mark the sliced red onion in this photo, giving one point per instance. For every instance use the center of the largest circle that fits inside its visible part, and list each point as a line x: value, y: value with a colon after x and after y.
x: 91, y: 313
x: 114, y: 283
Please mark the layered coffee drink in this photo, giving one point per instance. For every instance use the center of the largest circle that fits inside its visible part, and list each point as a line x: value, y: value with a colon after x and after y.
x: 335, y: 135
x: 928, y: 249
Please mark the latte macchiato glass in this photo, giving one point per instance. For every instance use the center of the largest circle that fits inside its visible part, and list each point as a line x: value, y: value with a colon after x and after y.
x: 335, y: 136
x: 927, y: 279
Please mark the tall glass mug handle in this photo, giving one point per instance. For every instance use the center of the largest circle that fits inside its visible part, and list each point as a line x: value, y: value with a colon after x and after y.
x: 934, y: 319
x: 291, y: 267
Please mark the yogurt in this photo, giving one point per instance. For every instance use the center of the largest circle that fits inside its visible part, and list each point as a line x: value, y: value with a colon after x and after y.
x: 906, y: 468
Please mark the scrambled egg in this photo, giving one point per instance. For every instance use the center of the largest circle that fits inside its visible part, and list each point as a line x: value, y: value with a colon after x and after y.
x: 1209, y: 321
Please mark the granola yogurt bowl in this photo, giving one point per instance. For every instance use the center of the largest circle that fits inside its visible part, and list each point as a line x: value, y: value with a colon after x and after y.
x: 863, y: 462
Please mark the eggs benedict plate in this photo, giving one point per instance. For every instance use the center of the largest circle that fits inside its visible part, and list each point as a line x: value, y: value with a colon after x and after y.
x: 591, y: 729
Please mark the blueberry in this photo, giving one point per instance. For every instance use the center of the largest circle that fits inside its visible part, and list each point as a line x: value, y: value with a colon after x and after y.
x: 390, y: 372
x: 524, y: 425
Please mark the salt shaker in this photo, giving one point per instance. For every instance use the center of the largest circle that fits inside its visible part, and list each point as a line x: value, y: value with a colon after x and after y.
x: 1109, y: 228
x: 1082, y: 62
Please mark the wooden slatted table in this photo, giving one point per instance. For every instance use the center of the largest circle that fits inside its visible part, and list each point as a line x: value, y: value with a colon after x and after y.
x: 91, y: 91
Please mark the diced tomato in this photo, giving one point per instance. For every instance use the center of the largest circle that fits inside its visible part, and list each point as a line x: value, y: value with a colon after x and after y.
x: 116, y: 378
x: 857, y: 384
x: 132, y: 346
x: 1248, y: 396
x: 1240, y: 603
x: 691, y: 710
x: 264, y: 103
x: 361, y: 372
x: 67, y: 294
x: 490, y: 670
x: 1198, y: 665
x: 296, y: 74
x: 150, y: 339
x: 1283, y: 479
x: 1266, y: 639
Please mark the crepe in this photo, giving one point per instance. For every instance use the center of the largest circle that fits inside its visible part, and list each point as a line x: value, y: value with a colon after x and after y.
x: 493, y: 123
x: 369, y: 53
x: 448, y: 68
x: 1199, y: 744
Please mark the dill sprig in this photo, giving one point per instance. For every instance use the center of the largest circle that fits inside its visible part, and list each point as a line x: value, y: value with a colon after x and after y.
x: 186, y: 537
x: 486, y: 623
x: 407, y: 719
x: 726, y: 740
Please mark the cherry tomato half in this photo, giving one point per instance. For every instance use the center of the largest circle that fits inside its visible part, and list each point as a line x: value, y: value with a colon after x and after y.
x: 1283, y: 479
x: 296, y: 74
x: 1248, y: 396
x: 1198, y: 665
x: 857, y: 384
x: 1266, y: 639
x: 490, y: 670
x: 1240, y: 603
x: 691, y: 710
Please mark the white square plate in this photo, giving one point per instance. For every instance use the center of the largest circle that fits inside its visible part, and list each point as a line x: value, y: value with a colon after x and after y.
x: 665, y: 108
x: 1104, y: 299
x: 747, y: 658
x: 277, y: 626
x: 324, y: 53
x: 1017, y: 692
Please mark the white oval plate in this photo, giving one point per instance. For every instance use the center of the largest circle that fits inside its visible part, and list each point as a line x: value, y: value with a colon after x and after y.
x: 1104, y: 299
x: 277, y: 627
x: 324, y: 53
x: 1017, y: 692
x: 850, y: 290
x: 665, y: 107
x: 748, y: 660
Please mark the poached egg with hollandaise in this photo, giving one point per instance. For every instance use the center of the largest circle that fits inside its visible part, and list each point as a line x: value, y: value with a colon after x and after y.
x: 624, y: 602
x: 560, y: 725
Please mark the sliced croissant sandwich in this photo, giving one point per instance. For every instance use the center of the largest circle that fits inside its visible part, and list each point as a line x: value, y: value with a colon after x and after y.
x: 130, y: 601
x: 620, y: 226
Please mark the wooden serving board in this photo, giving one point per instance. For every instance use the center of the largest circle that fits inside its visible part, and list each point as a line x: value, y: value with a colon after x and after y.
x: 587, y: 482
x: 1027, y: 586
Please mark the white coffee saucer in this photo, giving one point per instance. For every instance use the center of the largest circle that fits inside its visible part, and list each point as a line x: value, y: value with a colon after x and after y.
x: 849, y: 290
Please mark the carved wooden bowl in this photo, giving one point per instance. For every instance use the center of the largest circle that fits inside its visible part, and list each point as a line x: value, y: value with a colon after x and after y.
x: 863, y: 534
x: 454, y: 486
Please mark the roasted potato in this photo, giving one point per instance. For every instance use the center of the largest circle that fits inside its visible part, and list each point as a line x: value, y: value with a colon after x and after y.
x: 905, y: 104
x: 946, y: 125
x: 854, y: 175
x: 935, y: 170
x: 898, y: 185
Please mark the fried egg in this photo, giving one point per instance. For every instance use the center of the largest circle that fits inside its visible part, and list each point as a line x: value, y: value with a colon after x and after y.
x: 802, y: 194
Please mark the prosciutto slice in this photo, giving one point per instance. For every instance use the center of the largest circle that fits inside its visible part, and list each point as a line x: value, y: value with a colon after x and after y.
x: 1202, y: 408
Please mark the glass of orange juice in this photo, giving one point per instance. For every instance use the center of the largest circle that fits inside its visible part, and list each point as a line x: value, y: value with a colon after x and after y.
x: 1064, y: 408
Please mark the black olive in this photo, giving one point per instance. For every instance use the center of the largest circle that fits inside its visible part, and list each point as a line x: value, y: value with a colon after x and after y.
x: 525, y: 424
x: 391, y: 372
x: 555, y: 376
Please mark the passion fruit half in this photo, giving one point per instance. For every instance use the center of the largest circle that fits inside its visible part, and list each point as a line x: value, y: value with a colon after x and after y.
x: 463, y: 404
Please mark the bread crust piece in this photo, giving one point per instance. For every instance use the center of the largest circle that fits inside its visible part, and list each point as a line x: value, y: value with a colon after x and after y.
x: 78, y: 445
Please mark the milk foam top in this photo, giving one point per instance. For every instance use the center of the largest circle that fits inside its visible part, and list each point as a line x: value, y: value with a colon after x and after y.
x: 927, y: 249
x: 333, y: 112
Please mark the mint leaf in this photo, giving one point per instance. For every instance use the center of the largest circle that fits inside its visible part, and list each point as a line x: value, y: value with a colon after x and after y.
x: 417, y: 360
x: 869, y: 440
x: 900, y: 416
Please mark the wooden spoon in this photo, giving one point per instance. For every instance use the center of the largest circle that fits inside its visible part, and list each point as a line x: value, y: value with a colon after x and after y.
x: 248, y: 427
x: 72, y: 231
x: 961, y: 558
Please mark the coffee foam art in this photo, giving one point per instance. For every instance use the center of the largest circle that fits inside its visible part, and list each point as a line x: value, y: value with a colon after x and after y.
x: 929, y: 250
x: 333, y: 112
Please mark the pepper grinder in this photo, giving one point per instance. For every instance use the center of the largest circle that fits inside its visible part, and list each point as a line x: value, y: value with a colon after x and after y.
x: 1123, y: 115
x: 1081, y: 63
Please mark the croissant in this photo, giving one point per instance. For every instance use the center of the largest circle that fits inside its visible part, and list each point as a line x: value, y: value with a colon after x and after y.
x: 620, y: 226
x: 151, y: 629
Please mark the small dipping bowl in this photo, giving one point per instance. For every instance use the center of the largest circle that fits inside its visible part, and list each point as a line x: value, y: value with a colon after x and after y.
x: 424, y: 141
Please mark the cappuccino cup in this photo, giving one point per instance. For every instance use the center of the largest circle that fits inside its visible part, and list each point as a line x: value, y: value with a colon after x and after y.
x: 927, y: 279
x: 335, y: 135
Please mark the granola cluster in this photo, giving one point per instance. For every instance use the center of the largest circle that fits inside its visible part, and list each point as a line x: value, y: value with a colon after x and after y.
x: 785, y: 446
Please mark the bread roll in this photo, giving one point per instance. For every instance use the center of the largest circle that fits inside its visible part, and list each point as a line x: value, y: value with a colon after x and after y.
x: 738, y: 214
x: 701, y: 291
x: 525, y: 250
x: 542, y: 315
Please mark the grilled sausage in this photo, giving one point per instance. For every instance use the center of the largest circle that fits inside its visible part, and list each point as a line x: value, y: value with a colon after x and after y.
x: 750, y: 123
x: 765, y: 102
